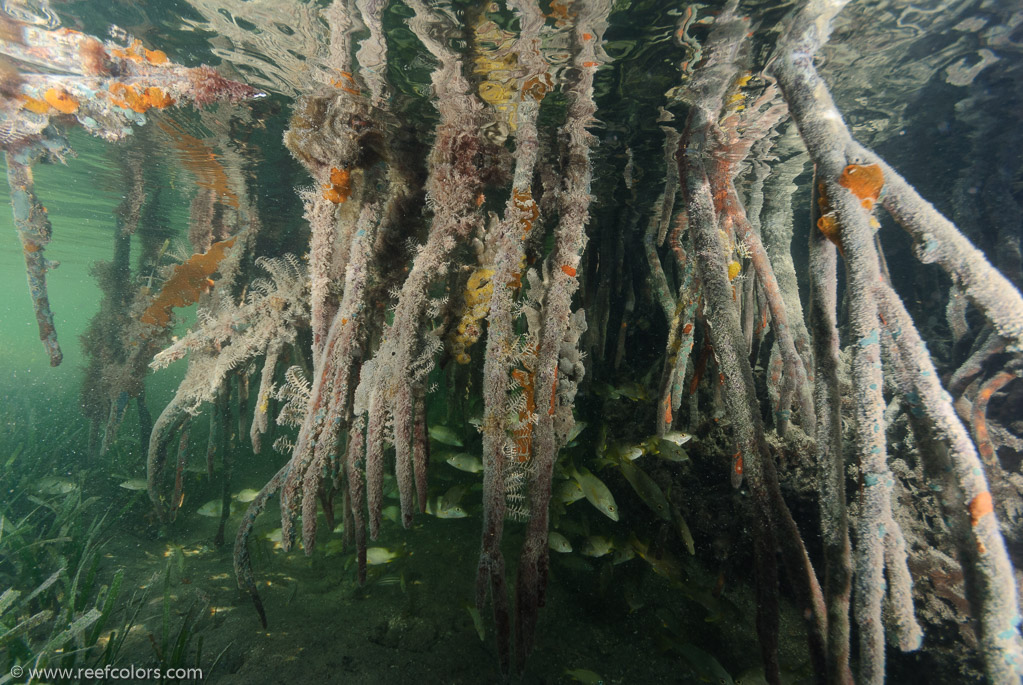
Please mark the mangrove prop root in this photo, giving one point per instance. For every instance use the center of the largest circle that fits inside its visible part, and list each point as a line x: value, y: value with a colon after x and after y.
x: 979, y: 418
x: 831, y: 148
x: 831, y: 465
x: 34, y: 230
x: 242, y: 560
x: 752, y: 460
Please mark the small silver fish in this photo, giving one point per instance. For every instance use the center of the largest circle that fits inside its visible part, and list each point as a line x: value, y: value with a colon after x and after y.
x: 596, y: 546
x: 376, y: 556
x: 54, y: 485
x: 212, y: 509
x: 437, y: 506
x: 570, y: 491
x: 663, y: 565
x: 245, y: 496
x: 646, y: 488
x: 632, y: 453
x: 683, y: 531
x: 623, y: 554
x: 463, y: 461
x: 134, y: 484
x: 445, y: 435
x: 670, y: 446
x: 633, y: 391
x: 453, y: 496
x: 558, y: 542
x: 677, y: 438
x: 596, y: 492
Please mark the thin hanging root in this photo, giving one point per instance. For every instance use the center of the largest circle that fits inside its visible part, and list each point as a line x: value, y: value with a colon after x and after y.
x: 979, y: 417
x: 260, y: 418
x: 657, y: 227
x: 406, y: 356
x: 563, y: 264
x: 222, y: 417
x: 508, y: 243
x: 420, y: 448
x: 166, y: 427
x: 795, y: 373
x: 831, y: 465
x: 310, y: 487
x: 354, y: 459
x: 302, y: 455
x: 179, y: 472
x: 34, y: 230
x: 680, y: 344
x: 403, y: 421
x: 375, y: 464
x: 993, y: 344
x: 242, y: 560
x: 330, y: 405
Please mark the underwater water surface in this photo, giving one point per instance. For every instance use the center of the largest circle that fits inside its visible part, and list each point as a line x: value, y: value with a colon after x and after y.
x: 562, y: 341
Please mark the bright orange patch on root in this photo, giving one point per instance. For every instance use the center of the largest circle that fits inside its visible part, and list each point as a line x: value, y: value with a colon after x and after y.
x: 568, y: 270
x: 60, y: 100
x: 339, y: 189
x: 156, y: 97
x: 136, y: 53
x: 523, y: 201
x: 34, y: 105
x: 980, y: 506
x: 127, y: 97
x: 828, y: 225
x: 339, y: 176
x: 864, y: 181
